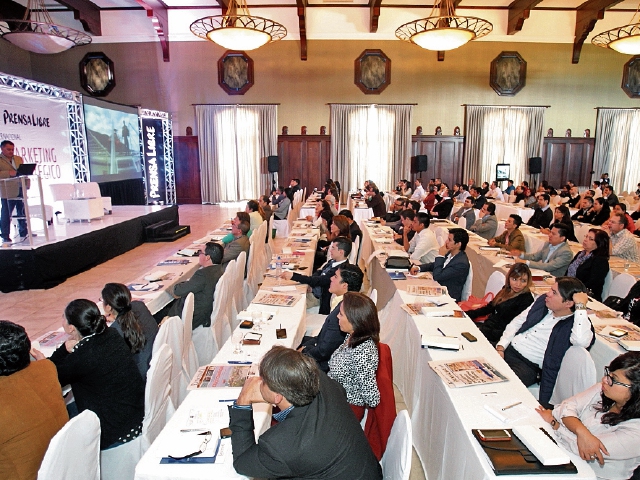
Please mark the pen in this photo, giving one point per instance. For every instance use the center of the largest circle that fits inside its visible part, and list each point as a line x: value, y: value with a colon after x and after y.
x: 186, y: 430
x: 238, y: 362
x: 443, y: 334
x: 511, y: 406
x: 227, y: 401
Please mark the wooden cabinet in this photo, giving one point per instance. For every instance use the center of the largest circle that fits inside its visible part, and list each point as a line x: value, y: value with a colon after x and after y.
x: 567, y: 158
x: 445, y: 156
x: 307, y: 157
x: 186, y: 165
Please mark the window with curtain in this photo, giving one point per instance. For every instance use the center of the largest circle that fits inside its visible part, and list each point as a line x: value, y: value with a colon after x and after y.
x: 501, y: 135
x: 370, y: 142
x: 234, y: 141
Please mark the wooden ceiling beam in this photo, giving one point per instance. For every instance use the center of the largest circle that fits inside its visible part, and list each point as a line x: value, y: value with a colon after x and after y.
x: 157, y: 12
x: 224, y: 5
x: 302, y: 24
x: 587, y: 15
x: 11, y: 10
x: 518, y: 12
x: 374, y: 15
x: 87, y: 12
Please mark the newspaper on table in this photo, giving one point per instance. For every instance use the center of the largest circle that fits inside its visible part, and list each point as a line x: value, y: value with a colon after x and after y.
x: 214, y: 376
x: 276, y: 299
x: 464, y: 373
x: 52, y: 339
x: 633, y: 333
x: 426, y: 290
x: 416, y: 308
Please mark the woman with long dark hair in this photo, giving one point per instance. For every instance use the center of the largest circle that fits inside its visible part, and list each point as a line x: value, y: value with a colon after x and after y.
x: 591, y: 265
x: 562, y: 215
x: 510, y: 302
x: 133, y: 321
x: 602, y: 424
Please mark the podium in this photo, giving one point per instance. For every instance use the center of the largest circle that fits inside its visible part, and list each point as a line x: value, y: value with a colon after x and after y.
x: 16, y: 189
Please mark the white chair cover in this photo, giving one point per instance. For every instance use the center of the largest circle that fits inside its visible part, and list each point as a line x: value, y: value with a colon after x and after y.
x: 282, y: 227
x: 512, y: 198
x: 396, y: 461
x: 74, y: 452
x: 466, y: 288
x: 621, y: 285
x: 353, y: 256
x: 441, y: 235
x: 606, y: 288
x: 189, y: 356
x: 170, y: 333
x: 314, y: 323
x: 495, y: 283
x: 373, y: 295
x: 239, y: 299
x: 462, y: 222
x: 577, y: 373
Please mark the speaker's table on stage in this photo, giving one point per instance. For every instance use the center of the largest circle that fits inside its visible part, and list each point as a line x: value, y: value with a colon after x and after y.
x: 80, y: 209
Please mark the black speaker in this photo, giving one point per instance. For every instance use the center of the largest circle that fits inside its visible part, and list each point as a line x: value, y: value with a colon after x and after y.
x: 272, y: 161
x: 535, y: 165
x: 422, y: 163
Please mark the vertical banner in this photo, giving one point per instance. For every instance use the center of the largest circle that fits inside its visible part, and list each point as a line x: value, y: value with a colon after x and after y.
x: 153, y: 151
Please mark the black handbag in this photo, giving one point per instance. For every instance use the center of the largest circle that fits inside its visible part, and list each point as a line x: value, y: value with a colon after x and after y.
x: 613, y: 302
x: 399, y: 263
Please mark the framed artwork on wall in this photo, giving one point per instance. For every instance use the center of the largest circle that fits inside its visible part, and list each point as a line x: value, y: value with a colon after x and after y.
x: 235, y: 72
x: 631, y: 77
x: 97, y: 75
x: 508, y: 74
x: 372, y: 72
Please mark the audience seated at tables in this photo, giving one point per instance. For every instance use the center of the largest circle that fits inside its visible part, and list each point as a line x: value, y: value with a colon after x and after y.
x: 463, y: 193
x: 586, y: 213
x: 133, y: 321
x: 484, y: 189
x: 508, y: 303
x: 623, y: 243
x: 629, y: 305
x: 332, y: 199
x: 478, y: 198
x: 591, y: 265
x: 321, y: 206
x: 423, y: 247
x: 339, y: 227
x: 520, y: 195
x: 294, y: 185
x: 354, y: 228
x: 404, y: 188
x: 574, y: 197
x: 239, y: 244
x: 543, y: 215
x: 255, y: 217
x: 326, y: 220
x: 355, y: 362
x: 431, y: 198
x: 240, y: 217
x: 554, y: 256
x: 601, y: 211
x: 348, y: 278
x: 602, y: 424
x: 495, y: 192
x: 451, y: 267
x: 32, y: 408
x: 317, y: 434
x: 406, y: 226
x: 562, y: 215
x: 393, y: 215
x: 512, y: 238
x: 281, y: 203
x: 443, y: 208
x: 103, y: 375
x: 418, y: 192
x: 467, y: 212
x: 265, y: 205
x: 510, y: 188
x: 487, y: 223
x: 622, y: 209
x: 530, y: 200
x: 609, y: 196
x: 320, y: 280
x: 203, y: 286
x: 375, y: 201
x: 534, y: 343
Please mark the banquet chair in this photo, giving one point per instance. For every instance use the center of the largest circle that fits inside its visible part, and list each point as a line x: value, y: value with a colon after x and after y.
x: 396, y: 461
x: 466, y: 288
x: 189, y: 355
x: 170, y: 333
x: 577, y: 373
x: 606, y: 288
x: 441, y: 235
x: 254, y: 270
x: 271, y: 244
x: 495, y: 283
x: 282, y: 227
x: 74, y: 452
x: 119, y: 463
x: 373, y: 295
x: 239, y: 300
x: 512, y: 198
x: 462, y: 222
x: 621, y: 285
x: 314, y: 322
x: 353, y: 256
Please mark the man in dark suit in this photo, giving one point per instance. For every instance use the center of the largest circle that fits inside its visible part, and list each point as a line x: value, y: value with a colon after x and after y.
x: 443, y: 208
x: 375, y: 202
x: 542, y: 216
x: 610, y: 197
x: 348, y: 278
x: 354, y: 228
x: 478, y: 198
x: 202, y: 284
x: 320, y: 280
x: 451, y: 268
x: 585, y: 214
x: 317, y: 434
x: 240, y: 242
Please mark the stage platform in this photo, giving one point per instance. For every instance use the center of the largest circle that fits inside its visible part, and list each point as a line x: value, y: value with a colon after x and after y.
x: 75, y: 247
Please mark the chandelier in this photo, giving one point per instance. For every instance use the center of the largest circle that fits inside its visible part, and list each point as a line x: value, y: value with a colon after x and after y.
x: 444, y: 31
x: 237, y: 29
x: 624, y: 39
x: 37, y: 33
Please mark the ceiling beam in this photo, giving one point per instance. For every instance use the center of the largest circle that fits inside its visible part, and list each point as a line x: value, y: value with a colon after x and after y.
x: 374, y: 15
x: 224, y: 5
x: 11, y: 10
x: 518, y: 12
x: 587, y: 15
x: 157, y: 11
x: 302, y: 23
x: 87, y: 12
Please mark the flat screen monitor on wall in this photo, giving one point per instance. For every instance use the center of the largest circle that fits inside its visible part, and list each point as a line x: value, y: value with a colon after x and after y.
x: 113, y: 137
x: 502, y: 172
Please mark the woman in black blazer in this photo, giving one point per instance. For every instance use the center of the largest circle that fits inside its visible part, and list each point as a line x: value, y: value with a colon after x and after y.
x: 601, y: 210
x: 591, y: 265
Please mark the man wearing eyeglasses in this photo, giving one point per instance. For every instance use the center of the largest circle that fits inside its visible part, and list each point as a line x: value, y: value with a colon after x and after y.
x: 534, y: 343
x: 623, y: 243
x: 317, y: 434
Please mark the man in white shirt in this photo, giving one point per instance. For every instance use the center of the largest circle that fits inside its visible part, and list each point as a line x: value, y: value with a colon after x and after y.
x: 534, y: 343
x: 623, y: 242
x: 418, y: 192
x: 495, y: 192
x: 424, y: 246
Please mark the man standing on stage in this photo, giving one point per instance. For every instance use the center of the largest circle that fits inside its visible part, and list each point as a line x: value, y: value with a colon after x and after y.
x: 10, y: 192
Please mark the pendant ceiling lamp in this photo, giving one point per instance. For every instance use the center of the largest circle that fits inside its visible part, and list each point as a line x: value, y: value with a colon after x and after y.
x: 37, y: 33
x: 624, y: 39
x: 237, y: 29
x: 443, y: 30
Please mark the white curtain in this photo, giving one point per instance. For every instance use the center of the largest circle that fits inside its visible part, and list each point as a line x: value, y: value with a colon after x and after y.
x: 234, y: 142
x: 617, y: 149
x: 370, y: 142
x: 496, y: 135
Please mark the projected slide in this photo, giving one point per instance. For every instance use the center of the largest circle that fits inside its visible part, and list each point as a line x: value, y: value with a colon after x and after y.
x: 113, y: 137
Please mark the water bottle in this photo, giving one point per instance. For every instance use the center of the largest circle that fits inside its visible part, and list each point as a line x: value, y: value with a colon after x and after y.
x: 278, y: 269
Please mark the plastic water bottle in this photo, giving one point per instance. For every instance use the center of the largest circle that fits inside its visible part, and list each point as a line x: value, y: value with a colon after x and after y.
x: 278, y: 269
